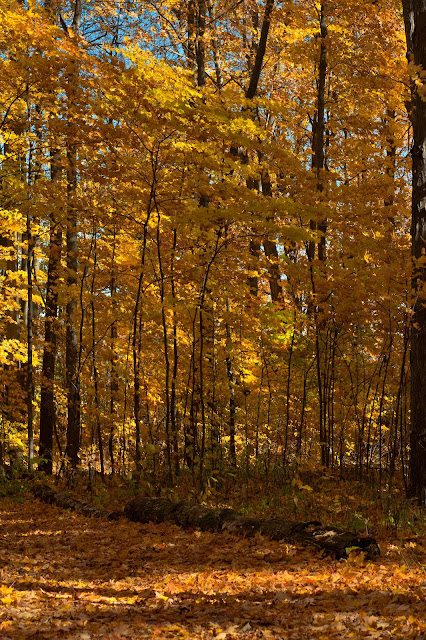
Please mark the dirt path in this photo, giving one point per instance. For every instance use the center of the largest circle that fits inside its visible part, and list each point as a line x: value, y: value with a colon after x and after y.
x: 69, y: 577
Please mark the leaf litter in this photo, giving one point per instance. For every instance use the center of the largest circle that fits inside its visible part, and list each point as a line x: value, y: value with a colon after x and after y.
x: 66, y: 576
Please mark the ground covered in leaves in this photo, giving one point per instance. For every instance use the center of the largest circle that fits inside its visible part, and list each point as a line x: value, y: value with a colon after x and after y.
x: 66, y: 576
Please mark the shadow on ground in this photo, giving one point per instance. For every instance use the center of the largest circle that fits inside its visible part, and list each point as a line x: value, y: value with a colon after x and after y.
x: 67, y: 576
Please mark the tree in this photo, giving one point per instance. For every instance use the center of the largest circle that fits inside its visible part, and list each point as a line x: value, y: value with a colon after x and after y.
x: 415, y: 30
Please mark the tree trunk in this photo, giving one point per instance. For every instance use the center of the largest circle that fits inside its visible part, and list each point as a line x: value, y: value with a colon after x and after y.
x: 231, y: 383
x: 72, y: 374
x: 47, y: 403
x: 29, y: 305
x: 94, y: 363
x: 200, y: 47
x: 260, y: 52
x: 318, y: 139
x: 319, y: 125
x: 215, y: 46
x: 71, y: 341
x: 113, y: 360
x: 415, y: 29
x: 165, y: 348
x: 173, y: 408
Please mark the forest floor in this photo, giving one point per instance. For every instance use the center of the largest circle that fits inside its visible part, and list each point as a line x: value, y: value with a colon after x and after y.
x: 66, y: 576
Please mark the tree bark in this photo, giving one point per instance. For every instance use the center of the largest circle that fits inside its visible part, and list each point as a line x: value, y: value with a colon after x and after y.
x: 318, y: 139
x: 29, y: 305
x: 319, y: 125
x: 47, y: 403
x: 165, y: 349
x: 113, y: 359
x: 71, y: 341
x: 200, y: 47
x: 415, y: 29
x: 260, y: 52
x: 94, y: 362
x: 263, y: 184
x: 173, y: 407
x: 231, y: 383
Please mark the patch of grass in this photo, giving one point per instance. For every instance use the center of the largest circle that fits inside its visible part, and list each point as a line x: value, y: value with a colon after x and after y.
x: 14, y: 487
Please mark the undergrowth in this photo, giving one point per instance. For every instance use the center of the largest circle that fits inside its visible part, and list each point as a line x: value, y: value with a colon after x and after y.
x: 321, y: 495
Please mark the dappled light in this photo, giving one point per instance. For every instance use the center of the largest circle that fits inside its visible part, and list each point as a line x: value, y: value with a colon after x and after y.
x: 126, y: 580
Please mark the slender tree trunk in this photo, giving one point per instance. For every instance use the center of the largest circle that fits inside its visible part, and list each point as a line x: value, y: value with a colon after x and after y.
x: 259, y: 404
x: 166, y: 350
x: 318, y: 135
x: 113, y: 361
x: 260, y: 52
x: 72, y: 373
x: 214, y: 433
x: 71, y: 343
x: 47, y: 401
x: 94, y: 364
x: 318, y: 160
x: 30, y: 371
x: 173, y: 407
x: 137, y: 332
x: 201, y: 394
x: 192, y: 30
x: 11, y: 166
x: 318, y: 141
x: 136, y: 339
x: 231, y: 384
x: 215, y: 46
x: 287, y: 415
x: 200, y: 45
x: 255, y: 69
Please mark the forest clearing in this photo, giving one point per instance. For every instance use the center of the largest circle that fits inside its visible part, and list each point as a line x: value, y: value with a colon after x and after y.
x: 212, y: 318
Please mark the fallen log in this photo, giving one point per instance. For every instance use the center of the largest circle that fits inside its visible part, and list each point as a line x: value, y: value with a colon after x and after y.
x: 332, y: 540
x: 46, y: 494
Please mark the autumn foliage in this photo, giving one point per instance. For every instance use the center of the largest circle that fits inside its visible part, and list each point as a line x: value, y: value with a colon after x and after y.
x: 205, y: 252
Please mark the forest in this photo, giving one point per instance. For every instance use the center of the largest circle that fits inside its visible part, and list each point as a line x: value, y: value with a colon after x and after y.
x: 209, y: 254
x: 212, y: 297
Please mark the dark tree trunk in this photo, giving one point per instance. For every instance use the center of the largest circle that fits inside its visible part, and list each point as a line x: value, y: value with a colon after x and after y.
x: 260, y: 52
x: 29, y: 305
x: 136, y: 340
x: 94, y: 363
x: 215, y: 45
x: 318, y: 141
x: 319, y: 125
x: 415, y: 28
x: 231, y: 383
x: 173, y: 408
x: 47, y: 404
x: 113, y: 361
x: 191, y: 20
x: 166, y: 350
x: 71, y: 340
x: 200, y: 47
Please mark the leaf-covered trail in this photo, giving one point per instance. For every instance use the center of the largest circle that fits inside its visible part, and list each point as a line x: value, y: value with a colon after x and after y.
x: 70, y: 577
